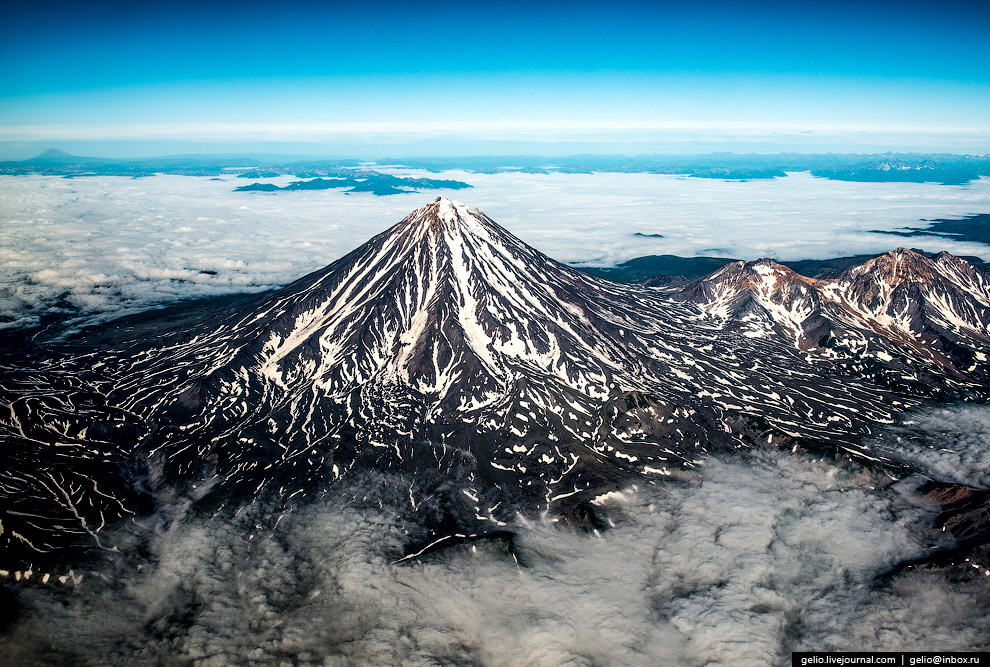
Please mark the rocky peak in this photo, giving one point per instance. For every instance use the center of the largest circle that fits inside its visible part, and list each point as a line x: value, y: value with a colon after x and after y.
x: 895, y: 268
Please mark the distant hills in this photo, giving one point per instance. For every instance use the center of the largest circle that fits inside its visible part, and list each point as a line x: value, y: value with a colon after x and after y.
x: 55, y: 162
x: 658, y: 270
x: 945, y: 168
x: 326, y: 174
x: 973, y: 228
x: 362, y: 181
x: 949, y: 169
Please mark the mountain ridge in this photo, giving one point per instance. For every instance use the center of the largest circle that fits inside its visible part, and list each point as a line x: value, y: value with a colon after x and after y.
x: 926, y: 310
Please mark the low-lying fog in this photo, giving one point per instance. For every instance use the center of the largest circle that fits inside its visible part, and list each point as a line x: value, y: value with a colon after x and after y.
x: 108, y: 246
x: 772, y: 552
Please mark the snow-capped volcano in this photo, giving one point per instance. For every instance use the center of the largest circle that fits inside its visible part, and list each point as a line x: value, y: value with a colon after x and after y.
x: 450, y: 352
x: 446, y: 334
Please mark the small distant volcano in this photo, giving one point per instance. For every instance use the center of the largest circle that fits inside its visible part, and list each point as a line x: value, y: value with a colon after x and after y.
x: 56, y: 155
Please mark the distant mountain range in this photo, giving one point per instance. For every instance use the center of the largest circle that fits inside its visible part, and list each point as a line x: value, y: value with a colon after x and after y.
x: 448, y: 351
x: 886, y: 167
x: 339, y: 174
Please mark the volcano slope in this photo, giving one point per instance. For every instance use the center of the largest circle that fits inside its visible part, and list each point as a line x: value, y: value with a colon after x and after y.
x: 488, y: 377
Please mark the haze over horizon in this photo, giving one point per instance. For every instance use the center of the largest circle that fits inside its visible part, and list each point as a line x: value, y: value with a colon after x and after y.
x: 398, y: 80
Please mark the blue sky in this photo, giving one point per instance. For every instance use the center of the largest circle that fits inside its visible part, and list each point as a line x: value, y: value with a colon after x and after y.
x: 543, y: 73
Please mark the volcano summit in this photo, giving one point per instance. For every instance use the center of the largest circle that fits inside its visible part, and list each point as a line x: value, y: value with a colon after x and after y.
x: 450, y: 352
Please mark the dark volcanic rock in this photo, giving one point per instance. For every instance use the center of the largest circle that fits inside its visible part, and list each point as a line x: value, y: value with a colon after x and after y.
x: 258, y: 187
x: 447, y: 351
x: 910, y: 322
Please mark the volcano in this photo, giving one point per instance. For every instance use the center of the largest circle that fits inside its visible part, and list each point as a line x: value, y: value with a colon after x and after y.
x: 447, y: 351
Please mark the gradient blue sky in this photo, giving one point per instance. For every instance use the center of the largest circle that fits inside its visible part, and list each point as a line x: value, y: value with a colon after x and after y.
x: 336, y: 75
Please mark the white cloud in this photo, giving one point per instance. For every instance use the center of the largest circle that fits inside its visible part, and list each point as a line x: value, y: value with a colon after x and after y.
x: 115, y: 245
x: 950, y: 444
x: 592, y: 217
x: 770, y: 553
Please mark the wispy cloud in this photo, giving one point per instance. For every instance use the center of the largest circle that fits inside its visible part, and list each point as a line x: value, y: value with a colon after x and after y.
x: 948, y: 443
x: 495, y: 136
x: 547, y: 130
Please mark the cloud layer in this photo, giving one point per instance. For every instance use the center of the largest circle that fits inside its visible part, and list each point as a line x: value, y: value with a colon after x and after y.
x: 108, y: 246
x: 771, y: 553
x: 950, y: 444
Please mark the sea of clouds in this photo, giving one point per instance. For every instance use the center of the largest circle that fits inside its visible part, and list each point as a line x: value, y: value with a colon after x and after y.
x: 769, y: 553
x: 950, y: 443
x: 110, y: 246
